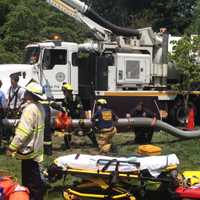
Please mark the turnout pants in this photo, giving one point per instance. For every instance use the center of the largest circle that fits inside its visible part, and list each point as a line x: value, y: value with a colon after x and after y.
x: 104, y: 139
x: 31, y: 178
x: 47, y: 131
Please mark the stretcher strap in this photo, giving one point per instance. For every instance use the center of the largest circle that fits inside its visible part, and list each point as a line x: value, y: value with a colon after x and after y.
x: 110, y: 162
x: 116, y: 162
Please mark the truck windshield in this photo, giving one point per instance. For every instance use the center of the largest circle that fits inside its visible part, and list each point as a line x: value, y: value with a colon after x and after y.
x: 31, y: 55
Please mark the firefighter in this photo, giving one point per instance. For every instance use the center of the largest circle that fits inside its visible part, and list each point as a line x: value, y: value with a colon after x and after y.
x: 143, y: 135
x: 103, y: 119
x: 73, y: 106
x: 72, y: 103
x: 27, y: 144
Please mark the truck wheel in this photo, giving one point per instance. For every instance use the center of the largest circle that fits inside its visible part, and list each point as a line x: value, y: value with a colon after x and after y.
x: 181, y: 115
x: 178, y: 115
x: 174, y: 116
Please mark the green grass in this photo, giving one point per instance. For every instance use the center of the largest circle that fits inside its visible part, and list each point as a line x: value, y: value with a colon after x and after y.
x: 187, y: 151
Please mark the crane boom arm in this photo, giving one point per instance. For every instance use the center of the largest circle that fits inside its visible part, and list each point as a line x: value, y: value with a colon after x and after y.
x: 91, y: 14
x: 100, y: 32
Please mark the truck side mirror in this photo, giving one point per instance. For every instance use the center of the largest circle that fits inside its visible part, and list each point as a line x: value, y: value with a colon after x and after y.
x: 24, y: 75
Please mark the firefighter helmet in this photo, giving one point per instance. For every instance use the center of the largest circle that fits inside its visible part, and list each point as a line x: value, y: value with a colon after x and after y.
x: 67, y: 86
x: 36, y: 89
x: 102, y: 101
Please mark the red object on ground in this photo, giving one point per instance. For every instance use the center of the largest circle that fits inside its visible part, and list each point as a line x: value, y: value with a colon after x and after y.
x: 191, y: 118
x: 62, y: 121
x: 192, y: 193
x: 12, y: 190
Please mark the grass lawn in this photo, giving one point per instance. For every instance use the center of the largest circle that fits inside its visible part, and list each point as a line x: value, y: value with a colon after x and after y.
x: 186, y: 150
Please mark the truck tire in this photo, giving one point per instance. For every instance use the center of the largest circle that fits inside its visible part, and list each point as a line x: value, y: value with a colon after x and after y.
x: 181, y: 115
x: 178, y: 115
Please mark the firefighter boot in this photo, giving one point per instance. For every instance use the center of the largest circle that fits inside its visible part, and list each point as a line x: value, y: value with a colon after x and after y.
x: 48, y: 148
x: 92, y: 137
x: 67, y: 140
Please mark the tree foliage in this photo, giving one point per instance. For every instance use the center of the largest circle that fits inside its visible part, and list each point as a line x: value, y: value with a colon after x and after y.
x: 23, y: 22
x: 175, y: 15
x: 195, y: 25
x: 185, y: 55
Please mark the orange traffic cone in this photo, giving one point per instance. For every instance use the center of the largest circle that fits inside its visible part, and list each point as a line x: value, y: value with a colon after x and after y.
x: 190, y: 124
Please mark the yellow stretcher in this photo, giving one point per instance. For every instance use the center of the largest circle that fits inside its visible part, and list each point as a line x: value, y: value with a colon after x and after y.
x: 105, y: 184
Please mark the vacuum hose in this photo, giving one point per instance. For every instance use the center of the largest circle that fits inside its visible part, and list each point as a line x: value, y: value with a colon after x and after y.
x: 90, y: 13
x: 146, y: 122
x: 135, y: 122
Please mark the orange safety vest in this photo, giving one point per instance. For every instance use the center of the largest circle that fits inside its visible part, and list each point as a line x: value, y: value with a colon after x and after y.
x: 191, y: 119
x: 62, y: 121
x: 12, y: 190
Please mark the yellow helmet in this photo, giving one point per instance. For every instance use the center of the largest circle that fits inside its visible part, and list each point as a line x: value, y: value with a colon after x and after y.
x: 36, y: 89
x: 102, y: 101
x: 67, y: 86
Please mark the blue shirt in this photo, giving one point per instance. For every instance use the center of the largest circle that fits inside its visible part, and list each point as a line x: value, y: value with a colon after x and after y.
x: 2, y: 99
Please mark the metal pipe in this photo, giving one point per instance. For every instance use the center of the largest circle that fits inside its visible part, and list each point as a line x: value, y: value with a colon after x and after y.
x: 76, y: 4
x: 135, y: 122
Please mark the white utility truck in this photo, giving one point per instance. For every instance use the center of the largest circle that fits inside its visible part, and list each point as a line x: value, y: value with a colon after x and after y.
x: 120, y: 64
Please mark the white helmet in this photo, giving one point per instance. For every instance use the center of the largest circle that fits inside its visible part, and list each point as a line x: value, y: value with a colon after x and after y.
x: 36, y: 89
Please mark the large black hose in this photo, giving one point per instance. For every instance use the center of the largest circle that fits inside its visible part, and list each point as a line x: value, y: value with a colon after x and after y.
x: 137, y: 122
x: 90, y: 13
x: 166, y: 127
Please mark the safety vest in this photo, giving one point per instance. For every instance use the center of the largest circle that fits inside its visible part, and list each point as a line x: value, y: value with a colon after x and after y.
x: 11, y: 190
x: 29, y: 133
x: 104, y: 118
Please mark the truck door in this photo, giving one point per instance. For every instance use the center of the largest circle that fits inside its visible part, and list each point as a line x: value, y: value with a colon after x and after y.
x: 55, y: 70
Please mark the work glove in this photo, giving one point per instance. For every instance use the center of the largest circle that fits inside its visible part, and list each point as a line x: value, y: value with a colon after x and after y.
x: 10, y: 152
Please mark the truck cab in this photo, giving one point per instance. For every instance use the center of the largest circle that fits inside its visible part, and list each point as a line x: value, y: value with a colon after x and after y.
x: 50, y: 63
x: 54, y: 63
